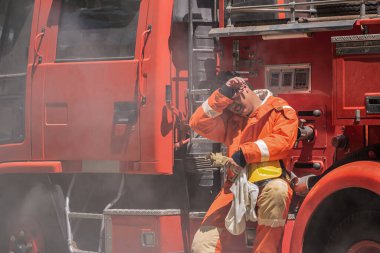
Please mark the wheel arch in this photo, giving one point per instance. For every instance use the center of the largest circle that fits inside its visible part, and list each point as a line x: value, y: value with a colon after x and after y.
x: 351, y: 178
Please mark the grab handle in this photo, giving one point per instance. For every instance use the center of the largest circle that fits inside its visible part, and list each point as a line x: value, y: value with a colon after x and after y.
x: 37, y: 44
x: 144, y: 35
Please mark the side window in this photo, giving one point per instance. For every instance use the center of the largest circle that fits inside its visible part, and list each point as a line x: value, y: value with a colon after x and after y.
x: 97, y: 30
x: 15, y: 27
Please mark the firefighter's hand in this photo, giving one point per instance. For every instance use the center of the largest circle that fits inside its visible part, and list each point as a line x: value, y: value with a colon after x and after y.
x: 233, y: 169
x: 300, y: 185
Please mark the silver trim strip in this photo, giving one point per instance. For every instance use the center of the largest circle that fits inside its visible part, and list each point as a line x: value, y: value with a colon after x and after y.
x: 12, y: 75
x: 364, y: 37
x: 282, y: 28
x: 108, y: 234
x: 197, y: 215
x: 101, y: 166
x: 143, y: 212
x: 75, y: 215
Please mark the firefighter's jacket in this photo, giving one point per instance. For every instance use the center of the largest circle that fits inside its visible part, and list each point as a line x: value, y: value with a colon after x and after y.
x: 269, y: 133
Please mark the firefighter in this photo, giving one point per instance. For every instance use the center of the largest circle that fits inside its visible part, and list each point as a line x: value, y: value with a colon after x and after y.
x: 256, y: 127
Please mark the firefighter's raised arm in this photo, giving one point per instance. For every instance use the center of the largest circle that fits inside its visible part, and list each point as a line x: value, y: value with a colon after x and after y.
x: 210, y: 120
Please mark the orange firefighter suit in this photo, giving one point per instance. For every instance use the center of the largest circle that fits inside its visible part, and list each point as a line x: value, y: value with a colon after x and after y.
x: 269, y: 133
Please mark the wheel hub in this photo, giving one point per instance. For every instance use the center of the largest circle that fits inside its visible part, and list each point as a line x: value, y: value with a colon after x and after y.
x: 25, y: 237
x: 365, y: 247
x: 19, y: 244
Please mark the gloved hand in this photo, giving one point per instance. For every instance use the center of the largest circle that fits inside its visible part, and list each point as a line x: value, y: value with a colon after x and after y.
x: 238, y: 84
x: 300, y: 185
x: 233, y: 87
x: 217, y: 159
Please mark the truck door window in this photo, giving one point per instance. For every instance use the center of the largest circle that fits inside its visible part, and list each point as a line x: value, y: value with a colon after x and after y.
x: 15, y: 27
x: 97, y: 30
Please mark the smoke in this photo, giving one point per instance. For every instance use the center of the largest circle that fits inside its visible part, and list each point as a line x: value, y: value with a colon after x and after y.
x: 35, y: 201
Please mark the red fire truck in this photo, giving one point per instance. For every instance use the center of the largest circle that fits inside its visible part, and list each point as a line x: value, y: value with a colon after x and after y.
x: 95, y: 95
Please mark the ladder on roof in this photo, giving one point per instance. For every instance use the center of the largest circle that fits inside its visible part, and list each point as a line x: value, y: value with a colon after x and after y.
x: 201, y: 63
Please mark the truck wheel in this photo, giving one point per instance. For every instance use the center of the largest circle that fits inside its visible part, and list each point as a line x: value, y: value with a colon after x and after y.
x: 29, y: 224
x: 358, y: 233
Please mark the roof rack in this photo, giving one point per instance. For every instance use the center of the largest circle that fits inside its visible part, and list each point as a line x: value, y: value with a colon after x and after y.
x: 295, y: 24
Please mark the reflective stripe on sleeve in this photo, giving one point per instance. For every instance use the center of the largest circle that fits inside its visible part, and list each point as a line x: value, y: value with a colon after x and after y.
x: 209, y: 111
x: 263, y: 150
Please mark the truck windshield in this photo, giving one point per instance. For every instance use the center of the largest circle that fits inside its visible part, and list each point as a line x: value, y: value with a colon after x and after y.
x: 97, y: 29
x: 15, y: 26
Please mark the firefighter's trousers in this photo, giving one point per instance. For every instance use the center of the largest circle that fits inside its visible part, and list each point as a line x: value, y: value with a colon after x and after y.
x: 272, y: 208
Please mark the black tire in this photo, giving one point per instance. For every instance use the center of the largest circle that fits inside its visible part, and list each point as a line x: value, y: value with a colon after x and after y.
x: 360, y: 226
x: 344, y: 9
x: 33, y: 213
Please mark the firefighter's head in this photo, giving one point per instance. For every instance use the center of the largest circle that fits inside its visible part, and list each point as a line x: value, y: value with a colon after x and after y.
x: 245, y: 101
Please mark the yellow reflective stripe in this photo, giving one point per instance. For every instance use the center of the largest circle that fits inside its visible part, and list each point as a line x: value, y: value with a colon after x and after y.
x: 209, y: 111
x: 263, y: 150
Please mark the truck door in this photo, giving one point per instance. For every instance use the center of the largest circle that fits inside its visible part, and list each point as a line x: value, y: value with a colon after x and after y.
x: 85, y: 107
x: 15, y: 71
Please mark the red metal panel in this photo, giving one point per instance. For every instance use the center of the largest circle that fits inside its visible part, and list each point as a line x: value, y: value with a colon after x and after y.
x: 156, y: 136
x: 22, y: 151
x: 365, y: 175
x: 127, y: 231
x: 84, y: 95
x: 73, y: 102
x: 170, y: 234
x: 355, y: 77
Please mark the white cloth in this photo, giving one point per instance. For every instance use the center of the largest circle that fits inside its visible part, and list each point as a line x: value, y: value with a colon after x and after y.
x: 243, y: 204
